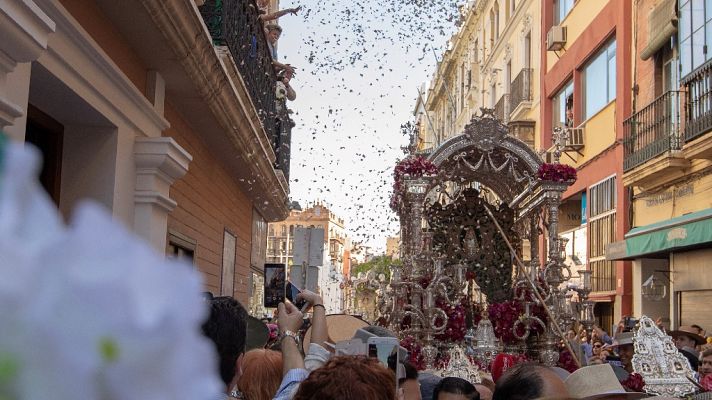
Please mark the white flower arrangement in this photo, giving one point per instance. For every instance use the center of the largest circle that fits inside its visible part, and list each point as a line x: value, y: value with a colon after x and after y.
x: 88, y: 311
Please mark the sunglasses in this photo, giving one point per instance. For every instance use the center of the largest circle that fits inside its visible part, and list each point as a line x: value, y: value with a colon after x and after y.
x: 597, y: 345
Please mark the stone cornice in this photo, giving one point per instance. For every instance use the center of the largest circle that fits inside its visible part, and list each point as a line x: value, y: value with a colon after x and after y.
x: 25, y: 30
x: 183, y: 27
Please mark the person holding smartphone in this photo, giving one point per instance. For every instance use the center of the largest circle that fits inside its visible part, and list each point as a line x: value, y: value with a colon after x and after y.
x: 290, y: 319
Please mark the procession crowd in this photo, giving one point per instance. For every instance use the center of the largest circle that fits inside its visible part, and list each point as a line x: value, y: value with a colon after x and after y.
x: 283, y: 372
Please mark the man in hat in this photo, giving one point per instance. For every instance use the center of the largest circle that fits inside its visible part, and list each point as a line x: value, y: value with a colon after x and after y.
x: 686, y: 339
x: 598, y: 382
x: 624, y: 343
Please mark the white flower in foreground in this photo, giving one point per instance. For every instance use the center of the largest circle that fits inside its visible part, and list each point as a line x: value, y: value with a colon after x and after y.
x: 90, y: 311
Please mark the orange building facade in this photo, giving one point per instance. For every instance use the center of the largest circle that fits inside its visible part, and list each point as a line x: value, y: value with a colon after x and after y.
x: 586, y: 91
x: 133, y: 106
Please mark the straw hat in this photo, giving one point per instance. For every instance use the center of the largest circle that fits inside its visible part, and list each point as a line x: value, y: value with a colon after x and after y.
x: 340, y: 327
x: 622, y: 338
x: 689, y: 332
x: 597, y: 382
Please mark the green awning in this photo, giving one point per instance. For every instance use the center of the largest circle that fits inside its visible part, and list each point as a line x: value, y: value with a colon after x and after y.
x: 663, y: 237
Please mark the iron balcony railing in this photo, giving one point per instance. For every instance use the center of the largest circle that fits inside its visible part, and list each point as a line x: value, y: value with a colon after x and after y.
x: 652, y: 131
x: 235, y: 24
x: 501, y: 109
x: 282, y: 139
x: 698, y: 104
x: 521, y: 88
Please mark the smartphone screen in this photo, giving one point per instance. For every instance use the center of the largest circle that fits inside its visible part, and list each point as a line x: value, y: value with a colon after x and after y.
x: 291, y: 292
x: 387, y: 354
x: 275, y: 279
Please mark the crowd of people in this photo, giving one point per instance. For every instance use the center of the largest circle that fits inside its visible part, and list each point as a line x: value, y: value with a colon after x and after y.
x: 691, y: 341
x: 262, y: 374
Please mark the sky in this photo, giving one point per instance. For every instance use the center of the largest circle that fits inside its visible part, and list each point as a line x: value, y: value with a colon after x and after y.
x: 359, y: 65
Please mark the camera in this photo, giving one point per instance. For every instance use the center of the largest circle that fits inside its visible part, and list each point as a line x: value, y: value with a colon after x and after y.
x: 629, y: 324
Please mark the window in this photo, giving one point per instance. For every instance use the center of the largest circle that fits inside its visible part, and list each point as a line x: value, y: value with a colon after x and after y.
x: 496, y: 20
x: 283, y: 229
x: 492, y: 25
x: 180, y: 247
x: 227, y: 286
x: 493, y: 95
x: 695, y: 33
x: 271, y: 230
x: 562, y: 8
x: 462, y: 86
x: 599, y: 80
x: 602, y: 197
x: 602, y: 231
x: 563, y: 103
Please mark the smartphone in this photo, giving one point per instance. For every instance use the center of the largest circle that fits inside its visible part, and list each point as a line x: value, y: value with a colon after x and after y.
x: 275, y: 281
x: 385, y: 349
x: 351, y: 347
x: 291, y: 292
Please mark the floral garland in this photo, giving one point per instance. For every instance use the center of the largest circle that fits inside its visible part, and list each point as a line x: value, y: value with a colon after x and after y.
x: 706, y: 382
x: 556, y: 172
x: 415, y: 356
x: 413, y: 167
x: 634, y: 383
x: 505, y: 314
x: 456, y: 324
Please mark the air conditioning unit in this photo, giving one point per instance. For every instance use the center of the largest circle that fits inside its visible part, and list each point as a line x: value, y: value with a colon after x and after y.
x: 548, y: 156
x: 556, y: 38
x: 574, y: 139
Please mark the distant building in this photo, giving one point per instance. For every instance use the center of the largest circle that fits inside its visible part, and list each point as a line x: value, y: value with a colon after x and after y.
x: 280, y: 247
x: 393, y: 247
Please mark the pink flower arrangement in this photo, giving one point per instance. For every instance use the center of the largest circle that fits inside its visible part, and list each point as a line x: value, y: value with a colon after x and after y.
x: 634, y: 383
x: 456, y: 325
x: 556, y: 172
x: 415, y: 167
x: 505, y: 314
x: 414, y: 352
x: 706, y: 382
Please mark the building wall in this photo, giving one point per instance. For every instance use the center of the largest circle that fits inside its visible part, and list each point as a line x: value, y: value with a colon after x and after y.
x: 590, y: 25
x: 209, y: 198
x: 209, y: 202
x: 109, y: 39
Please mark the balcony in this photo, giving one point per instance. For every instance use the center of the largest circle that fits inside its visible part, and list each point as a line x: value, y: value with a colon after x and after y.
x: 652, y: 131
x: 501, y: 109
x: 521, y: 98
x: 698, y: 105
x: 235, y: 25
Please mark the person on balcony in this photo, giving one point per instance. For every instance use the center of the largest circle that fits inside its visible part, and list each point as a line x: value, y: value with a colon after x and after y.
x: 284, y: 89
x: 274, y: 32
x: 265, y: 15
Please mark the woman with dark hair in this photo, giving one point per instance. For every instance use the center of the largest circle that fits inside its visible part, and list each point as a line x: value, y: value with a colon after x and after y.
x: 349, y: 378
x: 452, y: 388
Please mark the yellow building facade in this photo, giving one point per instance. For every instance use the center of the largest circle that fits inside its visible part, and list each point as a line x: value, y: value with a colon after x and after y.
x: 492, y: 62
x: 668, y: 164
